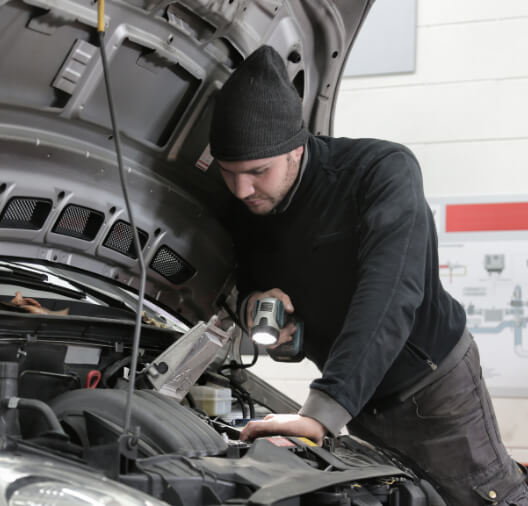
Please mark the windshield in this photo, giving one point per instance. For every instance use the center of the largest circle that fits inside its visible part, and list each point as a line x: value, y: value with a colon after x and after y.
x: 48, y: 289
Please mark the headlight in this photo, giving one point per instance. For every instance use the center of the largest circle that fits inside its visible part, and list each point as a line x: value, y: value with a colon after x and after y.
x: 35, y: 481
x: 52, y: 493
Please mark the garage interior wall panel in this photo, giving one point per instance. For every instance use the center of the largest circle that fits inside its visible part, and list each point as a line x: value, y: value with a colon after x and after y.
x: 433, y: 12
x: 444, y: 171
x: 467, y: 96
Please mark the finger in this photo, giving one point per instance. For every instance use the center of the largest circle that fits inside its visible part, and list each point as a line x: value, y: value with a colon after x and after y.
x: 285, y: 298
x: 284, y: 337
x: 64, y: 311
x: 287, y: 333
x: 244, y: 434
x: 249, y: 314
x: 247, y: 432
x: 255, y: 429
x: 33, y: 309
x: 33, y: 302
x: 17, y: 299
x: 290, y: 328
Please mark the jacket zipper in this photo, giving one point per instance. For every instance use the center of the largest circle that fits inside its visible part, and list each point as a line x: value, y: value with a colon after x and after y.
x: 422, y: 355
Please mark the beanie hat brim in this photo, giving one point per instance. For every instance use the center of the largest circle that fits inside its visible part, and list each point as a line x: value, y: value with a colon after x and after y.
x: 258, y: 152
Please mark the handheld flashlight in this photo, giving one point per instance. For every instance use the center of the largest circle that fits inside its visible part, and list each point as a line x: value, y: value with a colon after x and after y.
x: 268, y: 320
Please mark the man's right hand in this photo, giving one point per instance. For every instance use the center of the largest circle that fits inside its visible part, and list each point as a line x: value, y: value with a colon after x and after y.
x: 289, y: 329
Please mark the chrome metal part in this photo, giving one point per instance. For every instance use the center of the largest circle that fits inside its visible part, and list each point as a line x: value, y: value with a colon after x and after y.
x: 179, y: 366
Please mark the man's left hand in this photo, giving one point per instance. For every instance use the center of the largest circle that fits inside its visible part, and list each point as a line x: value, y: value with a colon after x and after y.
x: 285, y: 425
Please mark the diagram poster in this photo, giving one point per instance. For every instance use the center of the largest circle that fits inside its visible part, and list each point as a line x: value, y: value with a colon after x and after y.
x: 483, y: 255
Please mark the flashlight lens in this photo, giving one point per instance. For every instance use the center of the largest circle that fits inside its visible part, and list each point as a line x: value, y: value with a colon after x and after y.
x: 264, y: 338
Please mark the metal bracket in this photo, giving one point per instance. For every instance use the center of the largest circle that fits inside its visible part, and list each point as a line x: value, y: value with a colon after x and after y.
x: 176, y: 370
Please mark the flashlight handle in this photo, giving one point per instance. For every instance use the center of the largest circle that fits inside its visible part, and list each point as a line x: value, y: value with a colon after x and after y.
x: 292, y: 351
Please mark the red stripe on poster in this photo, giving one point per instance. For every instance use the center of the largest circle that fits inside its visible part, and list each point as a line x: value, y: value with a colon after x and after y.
x: 487, y: 217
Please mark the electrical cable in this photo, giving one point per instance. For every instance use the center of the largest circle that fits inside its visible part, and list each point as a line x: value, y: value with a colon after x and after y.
x: 136, y: 242
x: 35, y: 404
x: 190, y: 400
x: 245, y: 396
x: 137, y: 245
x: 240, y: 400
x: 231, y: 313
x: 241, y: 395
x: 251, y: 405
x: 235, y: 365
x: 113, y: 368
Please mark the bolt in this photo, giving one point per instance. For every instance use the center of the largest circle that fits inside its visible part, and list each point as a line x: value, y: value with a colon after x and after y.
x: 294, y: 57
x: 162, y: 367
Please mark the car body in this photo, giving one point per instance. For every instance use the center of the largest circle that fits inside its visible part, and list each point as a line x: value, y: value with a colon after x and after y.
x: 68, y: 248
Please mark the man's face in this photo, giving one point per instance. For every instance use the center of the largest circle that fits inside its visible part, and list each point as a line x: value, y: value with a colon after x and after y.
x: 262, y: 184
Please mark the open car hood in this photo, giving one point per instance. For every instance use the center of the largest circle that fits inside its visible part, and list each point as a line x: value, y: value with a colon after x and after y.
x: 79, y: 420
x: 60, y: 194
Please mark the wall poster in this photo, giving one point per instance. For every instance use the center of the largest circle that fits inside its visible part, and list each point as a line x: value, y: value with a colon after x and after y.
x: 483, y: 255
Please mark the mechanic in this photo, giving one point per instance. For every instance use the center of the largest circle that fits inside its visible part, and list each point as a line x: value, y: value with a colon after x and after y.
x: 340, y: 231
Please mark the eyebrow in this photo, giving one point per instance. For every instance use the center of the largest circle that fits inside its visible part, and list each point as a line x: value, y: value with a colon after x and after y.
x: 253, y: 169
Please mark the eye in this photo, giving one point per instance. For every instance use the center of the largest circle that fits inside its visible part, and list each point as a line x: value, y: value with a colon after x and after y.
x: 258, y: 172
x: 225, y: 173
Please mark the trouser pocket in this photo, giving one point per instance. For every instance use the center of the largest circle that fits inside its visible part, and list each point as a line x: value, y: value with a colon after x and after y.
x: 508, y: 489
x: 461, y: 437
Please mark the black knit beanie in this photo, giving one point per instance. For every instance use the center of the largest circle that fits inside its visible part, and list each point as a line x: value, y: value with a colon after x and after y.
x: 258, y: 112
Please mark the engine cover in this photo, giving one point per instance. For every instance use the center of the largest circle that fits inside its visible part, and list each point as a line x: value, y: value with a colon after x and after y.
x: 166, y: 426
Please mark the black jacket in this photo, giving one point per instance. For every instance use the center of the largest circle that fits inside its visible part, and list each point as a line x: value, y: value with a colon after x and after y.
x: 356, y: 250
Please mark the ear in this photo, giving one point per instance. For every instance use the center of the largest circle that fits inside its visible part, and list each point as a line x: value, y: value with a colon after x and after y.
x: 297, y: 153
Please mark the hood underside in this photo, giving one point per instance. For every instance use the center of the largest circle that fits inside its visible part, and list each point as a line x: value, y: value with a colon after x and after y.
x: 60, y: 194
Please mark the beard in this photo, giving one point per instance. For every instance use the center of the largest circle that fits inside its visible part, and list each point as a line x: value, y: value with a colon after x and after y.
x: 266, y: 204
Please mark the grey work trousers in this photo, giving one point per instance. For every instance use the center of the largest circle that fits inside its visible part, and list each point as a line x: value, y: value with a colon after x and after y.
x: 448, y: 428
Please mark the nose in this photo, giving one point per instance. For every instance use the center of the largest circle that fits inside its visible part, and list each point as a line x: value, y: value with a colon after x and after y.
x: 243, y: 186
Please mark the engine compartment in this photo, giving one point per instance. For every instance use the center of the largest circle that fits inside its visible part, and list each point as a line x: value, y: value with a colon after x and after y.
x: 175, y: 452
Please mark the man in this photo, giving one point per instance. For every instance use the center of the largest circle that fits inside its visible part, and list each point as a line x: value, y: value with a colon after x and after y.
x: 340, y: 231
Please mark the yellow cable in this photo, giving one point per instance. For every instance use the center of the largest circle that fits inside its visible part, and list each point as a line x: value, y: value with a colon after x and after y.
x: 100, y: 16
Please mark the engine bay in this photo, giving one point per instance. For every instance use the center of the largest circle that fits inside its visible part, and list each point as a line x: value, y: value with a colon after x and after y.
x: 71, y: 383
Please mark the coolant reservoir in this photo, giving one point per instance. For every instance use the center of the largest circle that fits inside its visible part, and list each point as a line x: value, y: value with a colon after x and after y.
x: 214, y: 400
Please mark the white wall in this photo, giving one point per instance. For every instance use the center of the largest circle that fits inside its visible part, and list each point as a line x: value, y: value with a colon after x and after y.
x: 464, y: 113
x: 292, y: 379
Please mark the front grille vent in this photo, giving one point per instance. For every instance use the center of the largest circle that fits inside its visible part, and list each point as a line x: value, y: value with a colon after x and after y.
x: 121, y: 239
x: 172, y: 266
x: 80, y: 222
x: 25, y: 212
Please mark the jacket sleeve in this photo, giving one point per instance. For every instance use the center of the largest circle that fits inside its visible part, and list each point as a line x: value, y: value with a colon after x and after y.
x: 391, y: 277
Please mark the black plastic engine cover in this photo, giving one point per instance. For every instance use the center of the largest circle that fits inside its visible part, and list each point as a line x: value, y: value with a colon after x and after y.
x: 165, y: 425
